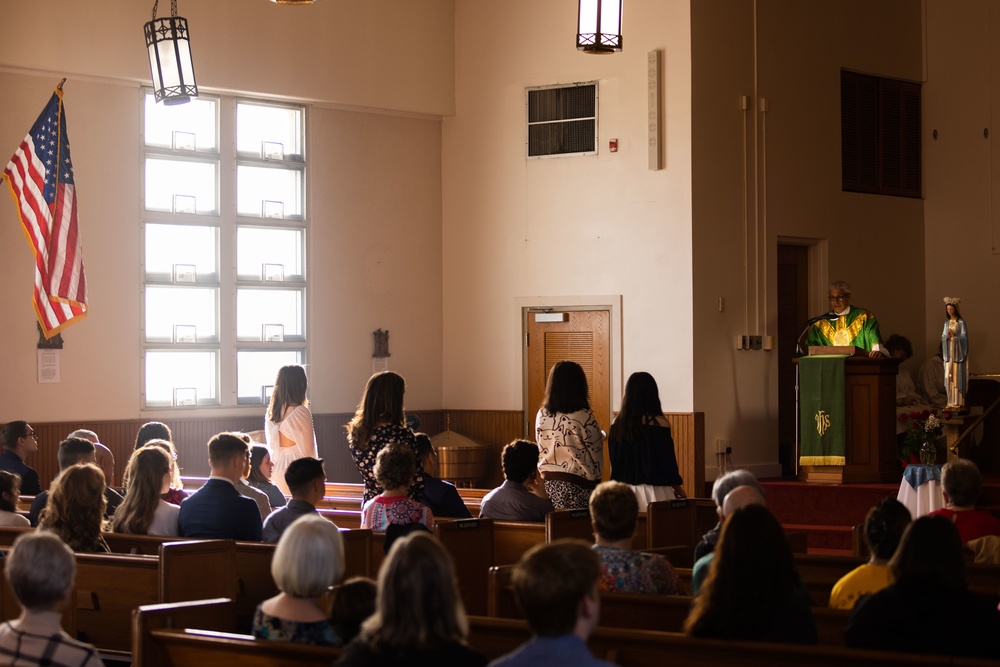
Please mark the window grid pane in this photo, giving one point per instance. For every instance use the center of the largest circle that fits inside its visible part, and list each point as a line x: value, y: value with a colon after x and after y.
x: 256, y: 370
x: 171, y: 375
x: 281, y: 250
x: 171, y: 246
x: 181, y: 186
x: 268, y: 192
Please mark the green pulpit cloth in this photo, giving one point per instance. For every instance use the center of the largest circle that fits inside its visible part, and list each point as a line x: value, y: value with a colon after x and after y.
x: 822, y: 415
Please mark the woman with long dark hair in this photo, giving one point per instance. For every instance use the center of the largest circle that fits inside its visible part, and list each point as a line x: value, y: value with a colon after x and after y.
x: 261, y: 474
x: 144, y: 512
x: 753, y: 592
x: 10, y: 493
x: 289, y: 423
x: 570, y: 442
x: 640, y: 446
x: 378, y: 423
x: 929, y: 582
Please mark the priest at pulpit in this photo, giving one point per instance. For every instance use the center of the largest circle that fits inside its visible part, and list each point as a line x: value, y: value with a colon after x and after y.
x: 847, y: 324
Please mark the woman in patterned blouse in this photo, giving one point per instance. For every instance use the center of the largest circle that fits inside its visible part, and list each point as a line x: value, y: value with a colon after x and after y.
x: 378, y: 423
x: 614, y: 510
x: 394, y: 467
x: 570, y: 442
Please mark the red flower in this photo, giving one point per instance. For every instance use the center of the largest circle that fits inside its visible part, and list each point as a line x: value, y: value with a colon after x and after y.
x: 947, y: 414
x: 902, y: 417
x: 925, y: 414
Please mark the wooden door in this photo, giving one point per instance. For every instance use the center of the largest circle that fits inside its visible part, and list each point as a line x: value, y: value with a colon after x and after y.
x: 585, y: 337
x: 793, y: 304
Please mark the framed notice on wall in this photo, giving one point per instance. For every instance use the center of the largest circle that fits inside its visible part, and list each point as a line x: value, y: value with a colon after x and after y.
x: 48, y: 366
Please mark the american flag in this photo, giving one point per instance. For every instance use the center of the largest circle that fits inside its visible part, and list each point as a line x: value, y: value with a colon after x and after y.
x: 40, y: 176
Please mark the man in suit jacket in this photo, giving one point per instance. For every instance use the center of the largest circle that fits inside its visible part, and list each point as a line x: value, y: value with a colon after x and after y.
x: 217, y: 510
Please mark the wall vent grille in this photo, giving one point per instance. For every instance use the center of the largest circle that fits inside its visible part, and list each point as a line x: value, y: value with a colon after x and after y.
x: 562, y: 120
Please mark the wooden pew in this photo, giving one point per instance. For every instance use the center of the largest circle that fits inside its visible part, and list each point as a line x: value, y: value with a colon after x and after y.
x: 161, y: 639
x: 645, y: 648
x: 665, y: 613
x: 670, y: 523
x: 110, y: 586
x: 513, y: 538
x: 470, y: 543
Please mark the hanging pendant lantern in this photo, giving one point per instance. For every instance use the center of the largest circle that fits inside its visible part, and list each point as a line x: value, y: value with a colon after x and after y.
x: 599, y: 28
x: 170, y: 64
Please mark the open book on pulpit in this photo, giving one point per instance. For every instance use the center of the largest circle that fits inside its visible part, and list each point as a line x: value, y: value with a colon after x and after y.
x: 846, y: 350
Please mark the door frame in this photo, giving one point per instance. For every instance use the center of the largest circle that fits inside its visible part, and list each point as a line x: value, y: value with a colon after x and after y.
x: 609, y: 302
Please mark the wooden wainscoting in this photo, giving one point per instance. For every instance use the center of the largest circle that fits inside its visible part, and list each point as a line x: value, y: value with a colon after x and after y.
x: 688, y: 430
x: 495, y: 428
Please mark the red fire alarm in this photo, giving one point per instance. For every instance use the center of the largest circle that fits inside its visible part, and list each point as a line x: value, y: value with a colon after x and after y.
x: 613, y: 145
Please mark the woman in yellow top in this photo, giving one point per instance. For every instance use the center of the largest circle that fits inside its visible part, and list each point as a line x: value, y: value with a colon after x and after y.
x: 884, y: 527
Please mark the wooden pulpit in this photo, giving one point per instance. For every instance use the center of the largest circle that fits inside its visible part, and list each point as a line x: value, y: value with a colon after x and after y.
x: 870, y: 403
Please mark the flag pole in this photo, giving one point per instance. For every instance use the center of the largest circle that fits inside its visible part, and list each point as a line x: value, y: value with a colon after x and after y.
x: 59, y: 87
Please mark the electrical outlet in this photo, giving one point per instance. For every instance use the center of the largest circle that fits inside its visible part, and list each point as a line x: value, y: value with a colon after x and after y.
x: 768, y: 342
x: 721, y: 445
x: 729, y: 450
x: 756, y: 343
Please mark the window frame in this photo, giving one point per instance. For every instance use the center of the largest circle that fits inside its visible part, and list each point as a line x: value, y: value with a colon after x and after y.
x: 226, y: 221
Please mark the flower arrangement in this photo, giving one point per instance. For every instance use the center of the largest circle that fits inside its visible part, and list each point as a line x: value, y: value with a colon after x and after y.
x: 920, y: 427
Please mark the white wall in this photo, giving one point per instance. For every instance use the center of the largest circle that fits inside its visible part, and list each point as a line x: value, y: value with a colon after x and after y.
x: 375, y: 203
x: 962, y: 170
x: 377, y: 54
x: 564, y: 227
x: 874, y: 242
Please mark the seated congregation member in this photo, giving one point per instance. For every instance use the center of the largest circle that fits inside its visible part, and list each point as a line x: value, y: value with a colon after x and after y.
x: 104, y: 459
x: 929, y: 583
x: 75, y: 509
x: 739, y: 497
x: 522, y: 496
x: 441, y: 496
x: 144, y: 511
x: 217, y: 510
x: 73, y: 451
x: 720, y: 489
x: 640, y: 445
x: 353, y: 604
x: 753, y: 592
x: 250, y: 491
x: 556, y: 588
x: 308, y: 560
x: 306, y: 479
x: 614, y: 510
x: 419, y: 618
x: 962, y: 484
x: 883, y: 529
x: 152, y: 431
x: 19, y: 441
x: 10, y: 492
x: 394, y: 469
x: 176, y: 494
x: 261, y: 469
x: 41, y: 571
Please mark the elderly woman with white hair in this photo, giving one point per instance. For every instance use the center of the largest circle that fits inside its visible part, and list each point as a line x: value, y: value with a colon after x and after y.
x: 41, y: 570
x: 309, y: 560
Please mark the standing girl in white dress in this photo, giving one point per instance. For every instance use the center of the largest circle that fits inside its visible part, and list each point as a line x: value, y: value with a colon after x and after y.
x: 288, y: 423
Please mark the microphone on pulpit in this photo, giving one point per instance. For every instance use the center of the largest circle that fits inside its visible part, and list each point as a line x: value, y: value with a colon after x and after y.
x: 830, y: 315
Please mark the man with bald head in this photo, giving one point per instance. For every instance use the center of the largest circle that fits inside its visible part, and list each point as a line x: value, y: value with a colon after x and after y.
x: 740, y: 497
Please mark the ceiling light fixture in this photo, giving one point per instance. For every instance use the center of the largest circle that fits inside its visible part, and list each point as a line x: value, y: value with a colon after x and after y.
x: 170, y: 64
x: 599, y: 27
